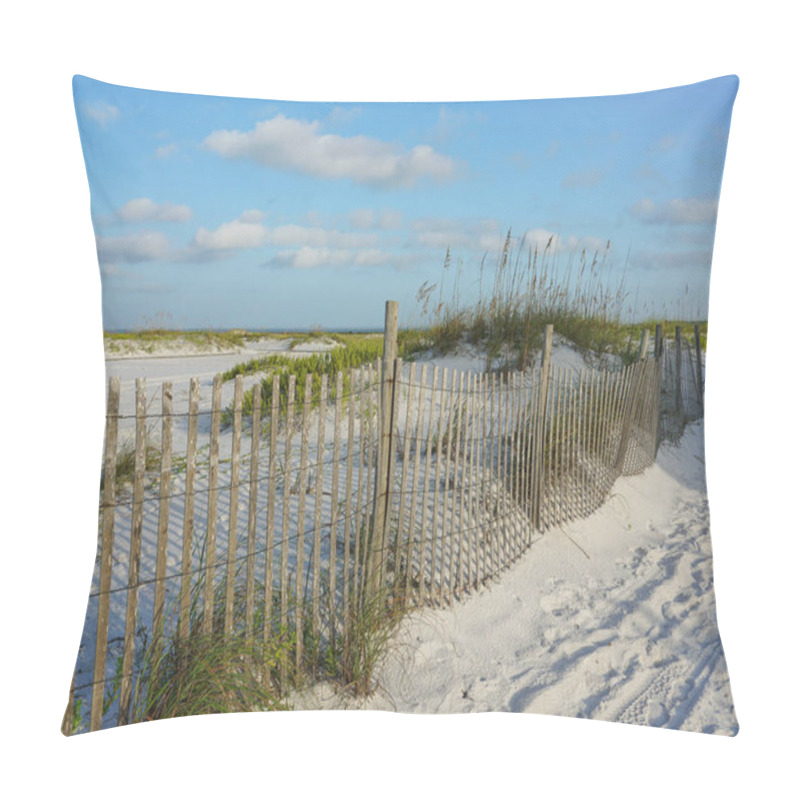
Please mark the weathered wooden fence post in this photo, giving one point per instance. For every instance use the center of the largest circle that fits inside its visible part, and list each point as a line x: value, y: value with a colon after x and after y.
x: 541, y: 411
x: 659, y: 343
x: 643, y: 344
x: 678, y: 398
x: 106, y: 554
x: 699, y: 352
x: 383, y: 490
x: 632, y: 403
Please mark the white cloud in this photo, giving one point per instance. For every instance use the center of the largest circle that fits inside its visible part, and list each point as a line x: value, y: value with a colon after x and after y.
x: 247, y: 232
x: 311, y: 257
x: 166, y: 150
x: 291, y: 144
x: 678, y: 211
x: 236, y: 235
x: 538, y: 238
x: 143, y: 209
x: 101, y: 113
x: 134, y: 248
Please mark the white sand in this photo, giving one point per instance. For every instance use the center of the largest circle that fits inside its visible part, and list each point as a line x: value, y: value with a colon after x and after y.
x: 611, y: 618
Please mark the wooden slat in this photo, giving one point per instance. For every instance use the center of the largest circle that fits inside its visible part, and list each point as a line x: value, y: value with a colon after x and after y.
x: 493, y: 481
x: 678, y: 373
x: 503, y: 468
x: 165, y: 486
x: 233, y: 516
x: 302, y: 490
x: 126, y: 681
x: 362, y: 513
x: 476, y: 494
x: 698, y: 350
x: 188, y: 509
x: 373, y: 396
x: 317, y: 563
x: 106, y: 553
x: 334, y: 528
x: 463, y: 533
x: 383, y: 486
x: 348, y: 492
x: 424, y: 560
x: 455, y: 430
x: 436, y: 527
x: 484, y: 450
x: 393, y: 394
x: 272, y: 467
x: 404, y: 545
x: 252, y: 511
x: 213, y: 491
x: 418, y: 431
x: 581, y: 444
x: 286, y: 516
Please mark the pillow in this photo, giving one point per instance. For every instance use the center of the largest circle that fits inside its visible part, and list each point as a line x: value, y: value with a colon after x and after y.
x: 405, y: 407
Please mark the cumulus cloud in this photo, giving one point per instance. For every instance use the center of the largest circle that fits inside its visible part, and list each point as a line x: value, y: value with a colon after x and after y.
x: 143, y: 209
x: 291, y: 144
x: 101, y: 113
x: 540, y: 238
x: 235, y: 235
x: 311, y: 257
x: 248, y: 232
x: 133, y: 249
x: 678, y: 211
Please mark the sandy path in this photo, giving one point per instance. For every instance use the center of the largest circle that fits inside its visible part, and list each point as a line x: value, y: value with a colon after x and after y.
x: 626, y: 634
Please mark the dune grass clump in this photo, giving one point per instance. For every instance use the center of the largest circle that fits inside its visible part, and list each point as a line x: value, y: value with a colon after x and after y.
x: 529, y: 289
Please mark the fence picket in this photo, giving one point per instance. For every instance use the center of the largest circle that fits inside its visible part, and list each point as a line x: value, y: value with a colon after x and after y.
x: 334, y: 528
x: 188, y: 509
x: 269, y: 567
x: 287, y: 496
x: 436, y: 557
x: 300, y: 554
x: 211, y: 527
x: 126, y: 680
x: 233, y: 510
x: 400, y: 545
x: 252, y: 508
x: 106, y: 553
x: 428, y: 593
x: 316, y: 565
x: 165, y: 485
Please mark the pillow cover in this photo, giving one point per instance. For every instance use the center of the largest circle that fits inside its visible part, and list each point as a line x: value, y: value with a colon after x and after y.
x: 405, y: 407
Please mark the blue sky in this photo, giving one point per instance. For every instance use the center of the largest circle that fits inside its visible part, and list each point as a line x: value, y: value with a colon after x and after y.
x: 224, y: 212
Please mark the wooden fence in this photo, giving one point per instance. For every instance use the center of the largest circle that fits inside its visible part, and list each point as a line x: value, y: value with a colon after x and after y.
x: 399, y: 483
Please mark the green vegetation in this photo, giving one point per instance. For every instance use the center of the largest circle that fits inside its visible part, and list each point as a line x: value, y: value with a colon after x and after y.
x: 126, y: 463
x: 151, y: 339
x: 352, y: 350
